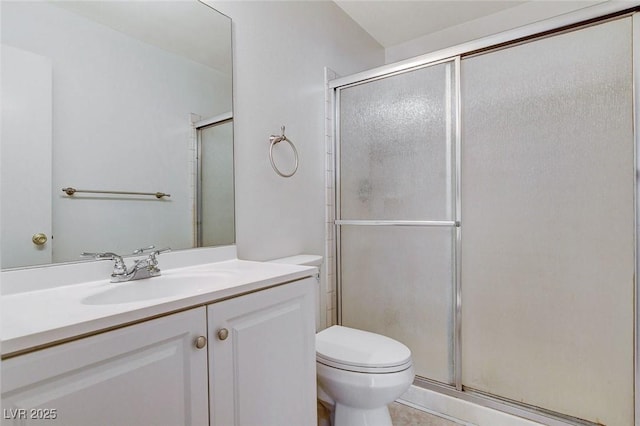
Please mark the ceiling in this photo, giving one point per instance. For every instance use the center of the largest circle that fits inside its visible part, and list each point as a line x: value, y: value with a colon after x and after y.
x: 395, y: 22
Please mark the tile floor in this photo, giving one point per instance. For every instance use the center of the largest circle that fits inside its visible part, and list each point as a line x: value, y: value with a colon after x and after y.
x: 401, y: 415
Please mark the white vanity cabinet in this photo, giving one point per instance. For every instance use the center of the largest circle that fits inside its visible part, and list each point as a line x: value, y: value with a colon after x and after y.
x: 262, y: 358
x: 150, y: 373
x: 247, y: 360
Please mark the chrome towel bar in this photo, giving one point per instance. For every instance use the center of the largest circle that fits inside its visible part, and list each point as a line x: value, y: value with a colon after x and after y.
x: 70, y: 191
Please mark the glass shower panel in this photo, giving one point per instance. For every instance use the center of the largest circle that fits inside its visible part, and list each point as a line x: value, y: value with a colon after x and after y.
x: 397, y: 281
x: 216, y: 222
x: 548, y: 223
x: 396, y: 146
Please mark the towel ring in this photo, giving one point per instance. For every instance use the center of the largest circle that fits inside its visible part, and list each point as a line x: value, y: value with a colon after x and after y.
x: 276, y: 139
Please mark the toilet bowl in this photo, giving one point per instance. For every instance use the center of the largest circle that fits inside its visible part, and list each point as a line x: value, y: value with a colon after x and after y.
x: 359, y: 373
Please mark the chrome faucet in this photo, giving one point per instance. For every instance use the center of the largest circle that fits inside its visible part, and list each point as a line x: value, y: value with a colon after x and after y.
x: 141, y: 268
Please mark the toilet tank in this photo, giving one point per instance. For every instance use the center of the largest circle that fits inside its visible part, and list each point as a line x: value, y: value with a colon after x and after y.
x: 310, y: 260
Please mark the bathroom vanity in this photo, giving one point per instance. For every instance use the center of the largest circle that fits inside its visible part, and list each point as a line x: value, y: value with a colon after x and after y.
x: 223, y: 343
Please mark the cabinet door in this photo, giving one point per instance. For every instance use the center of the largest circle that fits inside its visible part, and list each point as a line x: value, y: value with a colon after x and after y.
x: 263, y: 372
x: 145, y: 374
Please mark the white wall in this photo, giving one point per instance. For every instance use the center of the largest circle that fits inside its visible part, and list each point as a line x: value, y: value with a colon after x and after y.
x: 514, y: 17
x: 280, y: 51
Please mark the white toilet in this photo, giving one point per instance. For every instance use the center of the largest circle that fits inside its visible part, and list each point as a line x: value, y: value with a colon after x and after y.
x: 359, y: 374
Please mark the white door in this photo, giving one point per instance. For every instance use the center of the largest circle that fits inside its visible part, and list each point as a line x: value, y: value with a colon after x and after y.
x: 262, y: 367
x: 25, y: 156
x: 146, y: 374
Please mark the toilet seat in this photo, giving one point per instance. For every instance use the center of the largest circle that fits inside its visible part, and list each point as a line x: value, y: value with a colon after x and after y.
x: 361, y: 351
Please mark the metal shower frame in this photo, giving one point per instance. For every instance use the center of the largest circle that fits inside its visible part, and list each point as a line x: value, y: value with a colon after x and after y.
x: 568, y: 22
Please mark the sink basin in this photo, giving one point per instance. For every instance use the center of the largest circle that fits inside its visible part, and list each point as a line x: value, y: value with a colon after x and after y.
x: 157, y: 287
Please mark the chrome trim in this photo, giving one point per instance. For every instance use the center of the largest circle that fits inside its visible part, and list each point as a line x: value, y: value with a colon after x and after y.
x: 394, y: 73
x: 336, y: 194
x: 450, y: 117
x: 213, y: 120
x: 457, y: 262
x: 198, y: 185
x: 444, y: 223
x: 451, y: 123
x: 636, y: 130
x: 550, y: 24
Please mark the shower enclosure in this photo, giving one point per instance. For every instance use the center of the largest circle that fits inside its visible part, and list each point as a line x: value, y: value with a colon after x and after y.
x: 486, y: 217
x: 214, y: 224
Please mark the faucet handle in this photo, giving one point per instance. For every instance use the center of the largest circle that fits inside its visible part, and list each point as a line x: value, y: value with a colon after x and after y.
x: 119, y: 267
x: 152, y: 261
x: 154, y: 253
x: 142, y: 250
x: 107, y: 255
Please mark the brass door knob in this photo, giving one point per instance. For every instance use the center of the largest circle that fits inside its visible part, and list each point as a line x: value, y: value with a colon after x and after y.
x: 39, y: 239
x: 201, y: 342
x: 223, y: 333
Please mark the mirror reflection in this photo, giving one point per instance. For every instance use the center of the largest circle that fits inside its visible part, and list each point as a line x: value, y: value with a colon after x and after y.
x: 114, y: 96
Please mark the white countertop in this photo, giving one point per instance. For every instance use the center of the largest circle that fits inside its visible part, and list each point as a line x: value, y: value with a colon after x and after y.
x: 32, y: 319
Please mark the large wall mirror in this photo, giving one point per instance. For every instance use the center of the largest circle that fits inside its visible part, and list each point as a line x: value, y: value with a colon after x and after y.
x: 115, y: 96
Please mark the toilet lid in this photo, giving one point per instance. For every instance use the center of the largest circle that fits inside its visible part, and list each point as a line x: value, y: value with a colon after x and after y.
x: 359, y: 350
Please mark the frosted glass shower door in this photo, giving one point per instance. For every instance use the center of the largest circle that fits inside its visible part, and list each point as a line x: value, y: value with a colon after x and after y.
x: 396, y: 169
x: 216, y: 211
x: 548, y: 223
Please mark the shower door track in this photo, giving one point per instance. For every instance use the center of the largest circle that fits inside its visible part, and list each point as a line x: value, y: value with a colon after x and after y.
x: 582, y: 18
x: 594, y: 14
x: 445, y: 223
x: 530, y: 412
